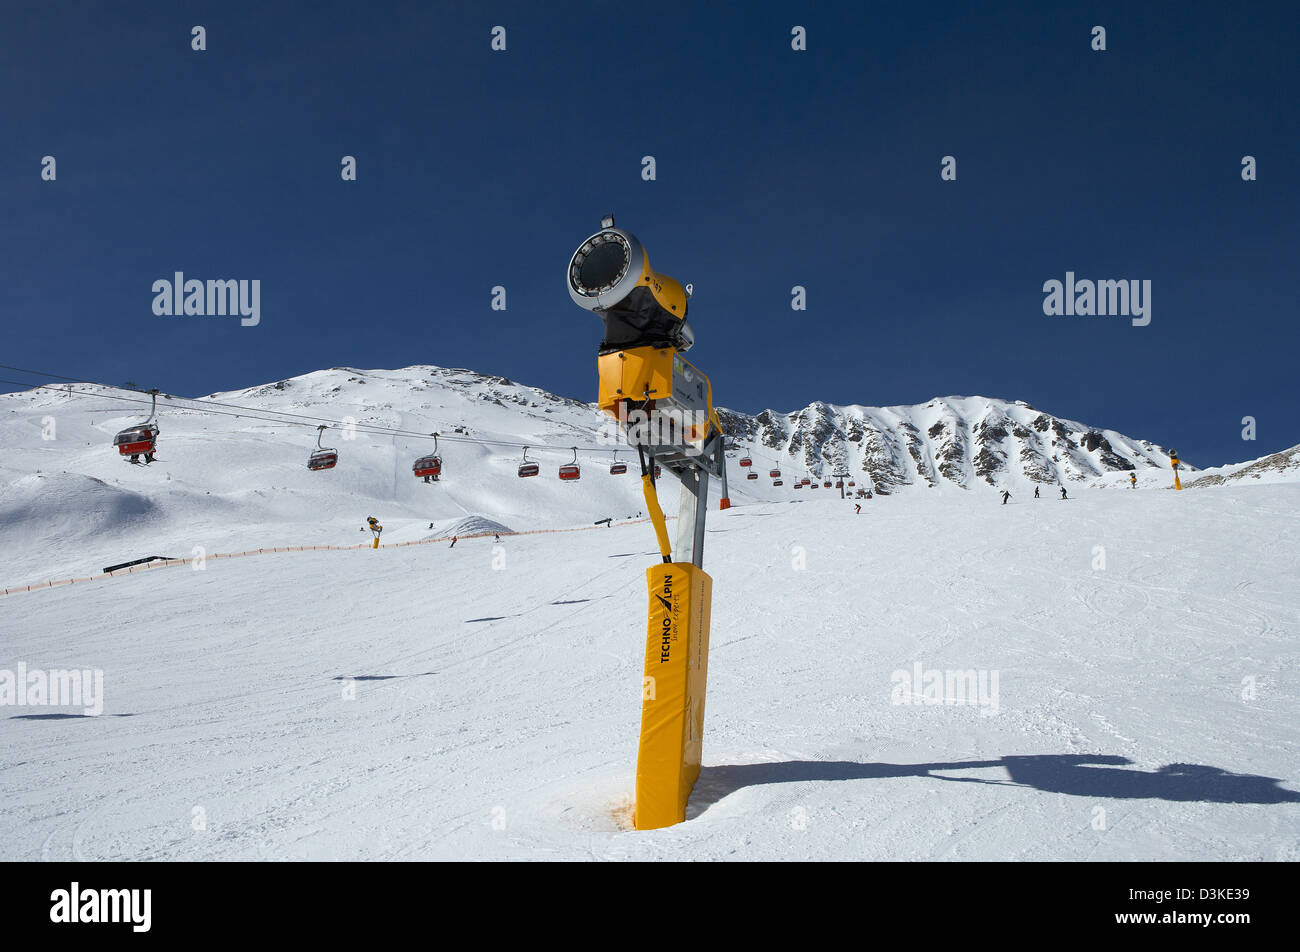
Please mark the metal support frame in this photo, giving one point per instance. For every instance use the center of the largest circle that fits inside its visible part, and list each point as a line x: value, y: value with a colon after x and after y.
x: 693, y: 471
x: 691, y: 514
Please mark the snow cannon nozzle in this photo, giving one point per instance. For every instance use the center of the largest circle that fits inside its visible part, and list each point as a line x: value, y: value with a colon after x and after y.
x: 610, y: 275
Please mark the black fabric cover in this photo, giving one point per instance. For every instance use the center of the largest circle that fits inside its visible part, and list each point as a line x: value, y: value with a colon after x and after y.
x: 638, y: 321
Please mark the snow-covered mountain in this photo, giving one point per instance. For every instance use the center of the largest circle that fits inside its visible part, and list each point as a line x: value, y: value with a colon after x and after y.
x: 961, y: 441
x: 1276, y: 467
x: 233, y: 460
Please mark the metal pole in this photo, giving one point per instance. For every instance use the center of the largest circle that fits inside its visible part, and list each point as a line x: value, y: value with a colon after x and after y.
x: 840, y: 478
x: 701, y: 513
x: 687, y: 511
x: 720, y: 453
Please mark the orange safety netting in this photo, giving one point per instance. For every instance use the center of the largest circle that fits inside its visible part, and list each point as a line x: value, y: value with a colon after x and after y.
x: 54, y: 583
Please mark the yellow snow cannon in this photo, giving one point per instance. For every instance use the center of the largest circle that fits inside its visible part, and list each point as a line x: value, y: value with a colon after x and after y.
x: 664, y: 407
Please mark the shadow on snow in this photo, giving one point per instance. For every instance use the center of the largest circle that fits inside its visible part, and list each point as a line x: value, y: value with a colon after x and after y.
x: 1085, y: 775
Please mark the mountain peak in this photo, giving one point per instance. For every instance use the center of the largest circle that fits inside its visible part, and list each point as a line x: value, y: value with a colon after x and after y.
x: 958, y: 440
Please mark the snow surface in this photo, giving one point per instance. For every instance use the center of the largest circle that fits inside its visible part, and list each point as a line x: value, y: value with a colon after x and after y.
x: 497, y: 689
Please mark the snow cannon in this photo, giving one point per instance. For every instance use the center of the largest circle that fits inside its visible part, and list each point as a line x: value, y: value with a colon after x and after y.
x: 659, y: 398
x: 611, y: 275
x: 664, y: 407
x: 1174, y: 461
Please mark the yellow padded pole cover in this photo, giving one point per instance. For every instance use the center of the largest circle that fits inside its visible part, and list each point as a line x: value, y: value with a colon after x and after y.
x: 672, y: 707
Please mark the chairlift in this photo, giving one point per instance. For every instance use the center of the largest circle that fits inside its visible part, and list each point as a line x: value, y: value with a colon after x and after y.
x: 527, y: 467
x: 322, y: 457
x: 746, y: 461
x: 827, y: 484
x: 751, y: 475
x: 777, y: 482
x: 571, y: 470
x: 429, y: 467
x: 616, y: 468
x: 141, y: 438
x: 775, y: 474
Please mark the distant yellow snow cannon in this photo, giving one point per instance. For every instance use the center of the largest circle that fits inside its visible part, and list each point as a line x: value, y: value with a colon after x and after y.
x: 1174, y: 461
x: 664, y: 407
x: 375, y: 529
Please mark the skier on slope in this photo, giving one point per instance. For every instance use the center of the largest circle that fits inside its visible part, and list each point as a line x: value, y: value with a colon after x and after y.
x: 1005, y: 496
x: 858, y: 508
x: 1132, y: 481
x: 1035, y: 492
x: 453, y: 542
x: 1063, y: 496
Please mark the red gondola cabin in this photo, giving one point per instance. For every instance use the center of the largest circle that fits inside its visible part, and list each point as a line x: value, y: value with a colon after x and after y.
x: 570, y: 470
x: 428, y: 467
x: 137, y: 439
x: 323, y: 459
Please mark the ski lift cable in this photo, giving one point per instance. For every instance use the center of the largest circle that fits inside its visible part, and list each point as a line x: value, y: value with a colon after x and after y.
x: 200, y: 405
x: 204, y: 404
x: 104, y: 396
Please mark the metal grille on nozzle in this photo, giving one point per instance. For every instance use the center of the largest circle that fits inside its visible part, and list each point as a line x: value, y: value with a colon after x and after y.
x: 600, y: 263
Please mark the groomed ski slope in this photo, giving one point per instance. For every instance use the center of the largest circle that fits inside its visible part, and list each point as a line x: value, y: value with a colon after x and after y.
x: 496, y: 709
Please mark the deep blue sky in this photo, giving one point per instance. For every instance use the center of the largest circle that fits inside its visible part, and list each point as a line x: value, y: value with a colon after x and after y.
x: 775, y: 168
